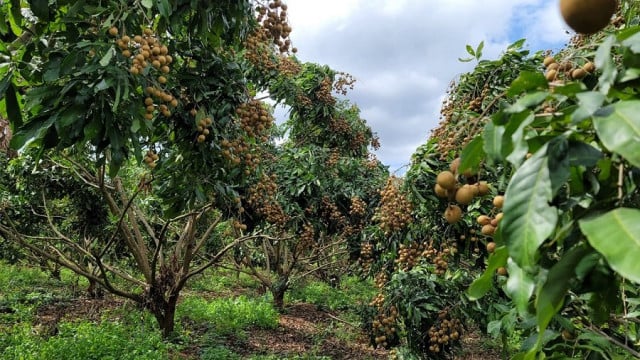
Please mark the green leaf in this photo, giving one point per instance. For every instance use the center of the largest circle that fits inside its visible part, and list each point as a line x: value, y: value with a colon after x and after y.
x: 14, y: 112
x: 479, y: 50
x: 557, y: 151
x: 483, y: 284
x: 164, y: 8
x: 605, y: 64
x: 470, y: 51
x: 551, y: 295
x: 519, y: 286
x: 589, y: 102
x: 527, y: 80
x: 514, y: 145
x: 493, y: 141
x: 583, y: 154
x: 107, y: 57
x: 616, y: 235
x: 472, y: 155
x: 147, y: 3
x: 618, y: 126
x: 633, y: 43
x: 528, y: 218
x: 527, y: 101
x: 40, y: 9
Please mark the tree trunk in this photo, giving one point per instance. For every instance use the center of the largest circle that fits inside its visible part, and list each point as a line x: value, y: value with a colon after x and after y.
x: 164, y: 311
x: 278, y: 290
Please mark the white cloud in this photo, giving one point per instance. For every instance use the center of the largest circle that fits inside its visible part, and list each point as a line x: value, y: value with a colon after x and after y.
x: 404, y: 53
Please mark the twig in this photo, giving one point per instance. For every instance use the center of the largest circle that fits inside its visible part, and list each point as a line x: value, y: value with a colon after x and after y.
x: 341, y: 320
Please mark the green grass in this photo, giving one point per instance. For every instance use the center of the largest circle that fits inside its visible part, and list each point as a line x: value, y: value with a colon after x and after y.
x: 134, y: 337
x: 351, y: 292
x: 226, y: 316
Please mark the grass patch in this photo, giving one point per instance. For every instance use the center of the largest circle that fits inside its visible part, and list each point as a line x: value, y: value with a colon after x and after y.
x: 132, y: 338
x: 351, y: 293
x: 226, y: 316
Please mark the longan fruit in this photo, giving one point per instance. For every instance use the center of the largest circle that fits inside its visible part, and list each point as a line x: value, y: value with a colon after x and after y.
x: 488, y: 230
x: 201, y: 138
x: 589, y: 67
x: 162, y: 79
x: 551, y: 75
x: 498, y: 201
x: 491, y: 247
x: 502, y: 271
x: 453, y: 214
x: 587, y: 16
x: 548, y: 61
x: 440, y: 191
x: 447, y: 180
x: 464, y: 195
x: 483, y: 220
x: 113, y: 31
x: 483, y: 188
x: 578, y: 73
x: 454, y: 165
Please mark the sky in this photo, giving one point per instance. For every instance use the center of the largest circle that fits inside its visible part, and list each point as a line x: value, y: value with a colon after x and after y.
x: 404, y: 53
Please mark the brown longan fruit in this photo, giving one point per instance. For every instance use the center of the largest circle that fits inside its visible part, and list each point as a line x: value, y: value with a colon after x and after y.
x: 162, y: 79
x: 587, y: 16
x: 453, y: 214
x: 491, y: 247
x: 589, y: 67
x: 498, y: 201
x: 464, y: 195
x: 578, y: 73
x: 440, y: 191
x: 113, y: 31
x: 488, y: 230
x: 548, y: 61
x: 483, y: 220
x: 201, y: 138
x: 551, y: 75
x: 447, y: 180
x: 483, y: 188
x: 502, y: 271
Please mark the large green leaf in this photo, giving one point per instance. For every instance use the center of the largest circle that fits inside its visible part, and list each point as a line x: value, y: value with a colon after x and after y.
x: 528, y: 80
x: 493, y: 140
x: 483, y: 284
x: 519, y: 286
x: 618, y: 126
x: 472, y: 155
x: 616, y: 235
x: 528, y: 218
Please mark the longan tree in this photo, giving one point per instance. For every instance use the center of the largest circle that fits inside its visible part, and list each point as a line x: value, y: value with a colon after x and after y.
x: 312, y: 197
x: 143, y: 103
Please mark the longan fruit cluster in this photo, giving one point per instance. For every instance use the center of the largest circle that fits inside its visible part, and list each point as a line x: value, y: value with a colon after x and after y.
x: 394, y: 212
x: 339, y: 126
x: 255, y: 120
x: 238, y: 151
x: 307, y: 236
x: 331, y: 212
x: 358, y: 206
x: 334, y: 158
x: 323, y: 93
x: 262, y: 197
x: 566, y: 69
x: 238, y: 225
x: 343, y: 83
x: 409, y: 256
x: 447, y: 186
x: 203, y: 128
x: 274, y: 19
x: 150, y: 158
x: 258, y: 50
x: 383, y: 326
x: 444, y: 332
x: 381, y: 280
x: 366, y: 256
x: 146, y: 51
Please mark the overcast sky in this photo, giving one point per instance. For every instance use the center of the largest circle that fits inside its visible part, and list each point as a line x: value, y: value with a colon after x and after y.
x: 404, y: 53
